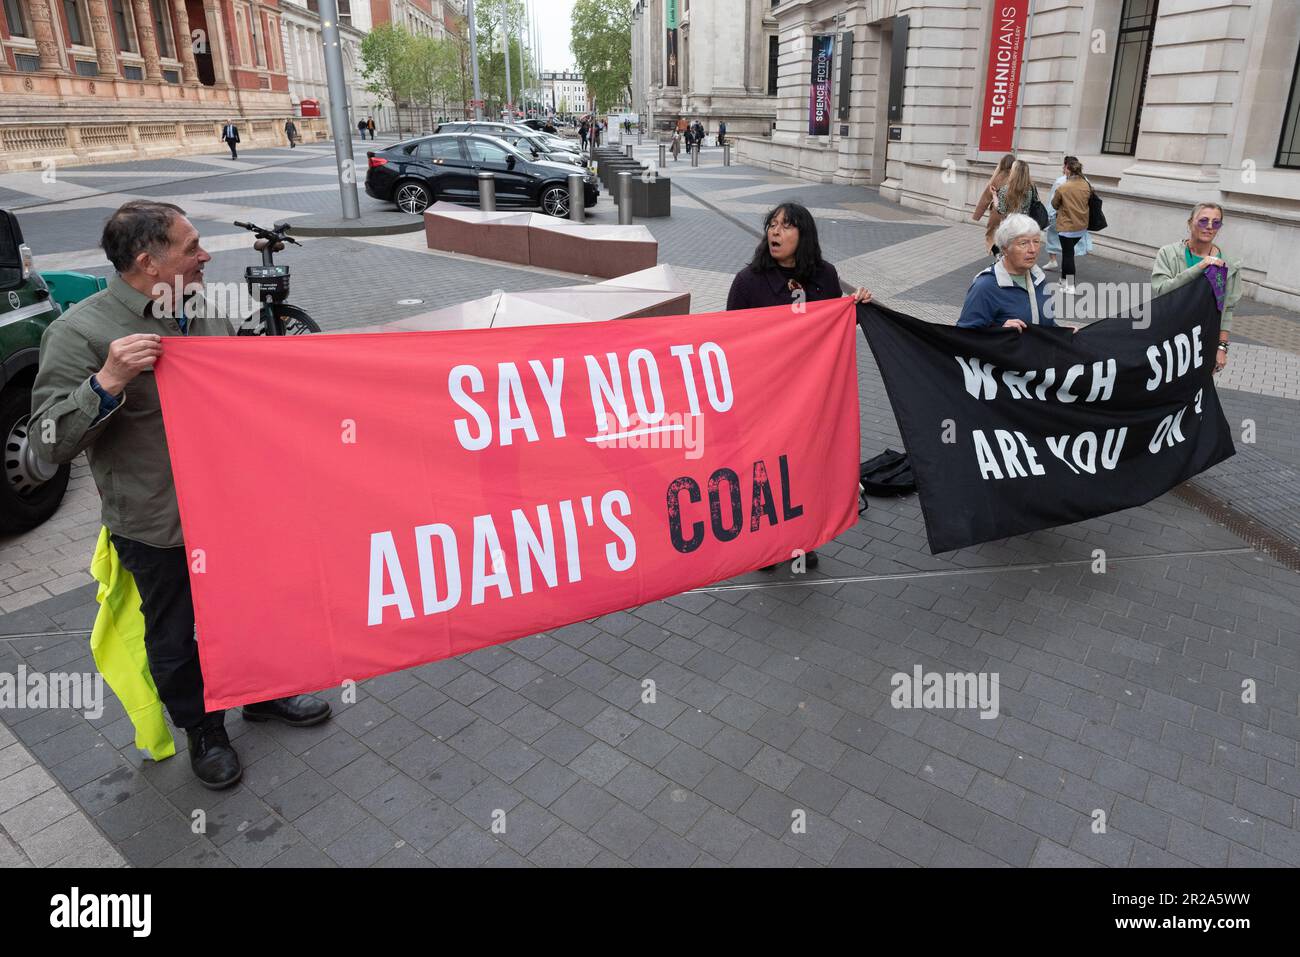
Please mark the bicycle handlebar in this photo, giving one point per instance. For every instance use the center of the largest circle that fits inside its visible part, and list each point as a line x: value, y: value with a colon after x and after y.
x: 278, y: 235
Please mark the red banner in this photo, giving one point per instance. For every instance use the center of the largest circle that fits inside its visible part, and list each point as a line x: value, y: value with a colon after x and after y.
x: 1002, y: 84
x: 357, y: 504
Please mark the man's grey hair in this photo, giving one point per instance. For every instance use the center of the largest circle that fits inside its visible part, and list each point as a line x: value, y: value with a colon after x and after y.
x: 140, y: 226
x: 1013, y: 227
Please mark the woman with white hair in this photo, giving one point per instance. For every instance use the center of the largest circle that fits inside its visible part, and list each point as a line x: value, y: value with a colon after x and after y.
x: 1183, y: 261
x: 1012, y: 292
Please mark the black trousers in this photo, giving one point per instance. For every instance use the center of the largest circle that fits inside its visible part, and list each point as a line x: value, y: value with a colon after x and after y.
x: 231, y: 144
x: 1067, y: 254
x: 162, y: 576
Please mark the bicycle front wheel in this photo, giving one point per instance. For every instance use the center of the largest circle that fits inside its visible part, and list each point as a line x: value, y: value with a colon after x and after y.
x: 293, y: 322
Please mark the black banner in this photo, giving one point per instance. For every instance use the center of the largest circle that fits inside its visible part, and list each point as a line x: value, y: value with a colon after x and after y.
x: 1010, y: 432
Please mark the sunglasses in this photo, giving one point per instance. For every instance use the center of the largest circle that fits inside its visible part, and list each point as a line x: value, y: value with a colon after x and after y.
x: 1207, y: 223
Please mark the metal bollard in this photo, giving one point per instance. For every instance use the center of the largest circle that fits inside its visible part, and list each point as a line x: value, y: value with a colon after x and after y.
x: 695, y: 155
x: 628, y: 150
x: 726, y: 154
x: 663, y: 155
x: 638, y: 137
x: 487, y: 191
x: 625, y: 199
x: 577, y: 198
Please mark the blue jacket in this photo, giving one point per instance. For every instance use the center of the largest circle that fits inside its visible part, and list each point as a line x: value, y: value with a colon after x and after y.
x: 993, y: 298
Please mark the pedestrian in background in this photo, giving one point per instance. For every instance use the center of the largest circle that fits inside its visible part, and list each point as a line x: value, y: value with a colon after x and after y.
x: 1179, y: 263
x: 370, y: 126
x: 230, y: 133
x: 1016, y: 193
x: 1070, y: 200
x: 987, y: 198
x: 722, y: 132
x: 291, y: 132
x: 583, y: 131
x: 1000, y: 295
x: 1084, y: 245
x: 675, y: 145
x: 361, y: 128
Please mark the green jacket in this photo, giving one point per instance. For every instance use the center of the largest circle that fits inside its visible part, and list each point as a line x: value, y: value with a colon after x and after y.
x: 1170, y: 271
x: 127, y: 448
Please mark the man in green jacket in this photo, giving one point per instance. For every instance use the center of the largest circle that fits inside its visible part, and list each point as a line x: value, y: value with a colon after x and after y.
x: 95, y: 392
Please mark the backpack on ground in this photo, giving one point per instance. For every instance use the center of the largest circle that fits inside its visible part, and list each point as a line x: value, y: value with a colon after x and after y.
x: 887, y: 474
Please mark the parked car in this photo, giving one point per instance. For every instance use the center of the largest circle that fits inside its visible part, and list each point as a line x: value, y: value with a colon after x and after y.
x: 544, y: 125
x: 415, y: 174
x: 524, y: 140
x: 30, y: 488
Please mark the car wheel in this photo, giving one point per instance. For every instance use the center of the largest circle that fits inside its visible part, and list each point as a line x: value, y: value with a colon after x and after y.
x: 31, y: 489
x: 555, y: 201
x: 412, y: 197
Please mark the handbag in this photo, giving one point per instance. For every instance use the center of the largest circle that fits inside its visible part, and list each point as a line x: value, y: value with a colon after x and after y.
x: 1096, y: 218
x: 1037, y: 210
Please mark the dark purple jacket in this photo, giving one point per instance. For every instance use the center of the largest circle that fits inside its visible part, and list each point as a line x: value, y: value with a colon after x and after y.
x: 751, y: 289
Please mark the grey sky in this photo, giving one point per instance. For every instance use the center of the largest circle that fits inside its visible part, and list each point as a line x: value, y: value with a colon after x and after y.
x: 553, y: 19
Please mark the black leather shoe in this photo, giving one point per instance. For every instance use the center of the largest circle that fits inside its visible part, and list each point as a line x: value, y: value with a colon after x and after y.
x: 300, y: 710
x: 214, y: 761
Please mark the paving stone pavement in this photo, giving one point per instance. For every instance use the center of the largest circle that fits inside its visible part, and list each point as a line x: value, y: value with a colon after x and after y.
x: 1119, y: 692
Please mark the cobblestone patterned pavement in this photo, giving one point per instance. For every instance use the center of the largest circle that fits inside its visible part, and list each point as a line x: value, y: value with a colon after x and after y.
x: 1120, y: 692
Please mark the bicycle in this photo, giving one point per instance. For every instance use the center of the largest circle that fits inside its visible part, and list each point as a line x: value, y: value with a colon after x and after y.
x: 269, y: 283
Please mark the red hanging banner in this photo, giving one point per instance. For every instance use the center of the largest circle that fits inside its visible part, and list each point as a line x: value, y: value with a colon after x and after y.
x: 357, y: 504
x: 1002, y: 84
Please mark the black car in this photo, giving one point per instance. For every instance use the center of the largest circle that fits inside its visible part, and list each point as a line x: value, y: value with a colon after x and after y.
x: 415, y: 174
x: 546, y: 126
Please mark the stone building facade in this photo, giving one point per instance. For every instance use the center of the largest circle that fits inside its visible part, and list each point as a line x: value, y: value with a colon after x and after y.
x: 109, y: 79
x: 304, y: 55
x: 565, y: 92
x: 716, y: 64
x: 1165, y: 102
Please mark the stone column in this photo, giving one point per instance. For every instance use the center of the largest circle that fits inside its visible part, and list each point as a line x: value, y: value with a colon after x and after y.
x: 148, y: 43
x: 216, y: 43
x: 47, y: 47
x: 105, y: 53
x: 185, y: 44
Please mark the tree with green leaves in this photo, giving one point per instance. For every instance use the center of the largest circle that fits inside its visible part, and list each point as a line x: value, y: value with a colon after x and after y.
x: 601, y: 41
x: 385, y: 62
x: 432, y: 69
x: 488, y: 15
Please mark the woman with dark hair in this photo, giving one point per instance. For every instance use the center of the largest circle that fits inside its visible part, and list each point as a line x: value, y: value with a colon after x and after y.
x: 787, y: 265
x: 787, y: 268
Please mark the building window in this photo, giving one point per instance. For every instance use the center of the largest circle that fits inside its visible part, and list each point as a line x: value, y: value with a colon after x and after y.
x: 27, y: 63
x: 160, y: 28
x: 87, y: 68
x: 1288, y: 151
x: 133, y: 72
x: 76, y: 22
x: 125, y: 32
x: 17, y: 20
x: 1128, y: 83
x: 259, y: 52
x: 773, y: 57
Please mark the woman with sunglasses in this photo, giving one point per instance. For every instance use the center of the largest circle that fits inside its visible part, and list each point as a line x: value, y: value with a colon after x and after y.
x: 1183, y: 261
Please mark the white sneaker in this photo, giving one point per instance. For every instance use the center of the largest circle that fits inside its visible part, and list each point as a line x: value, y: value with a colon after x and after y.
x: 1052, y: 266
x: 1068, y: 289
